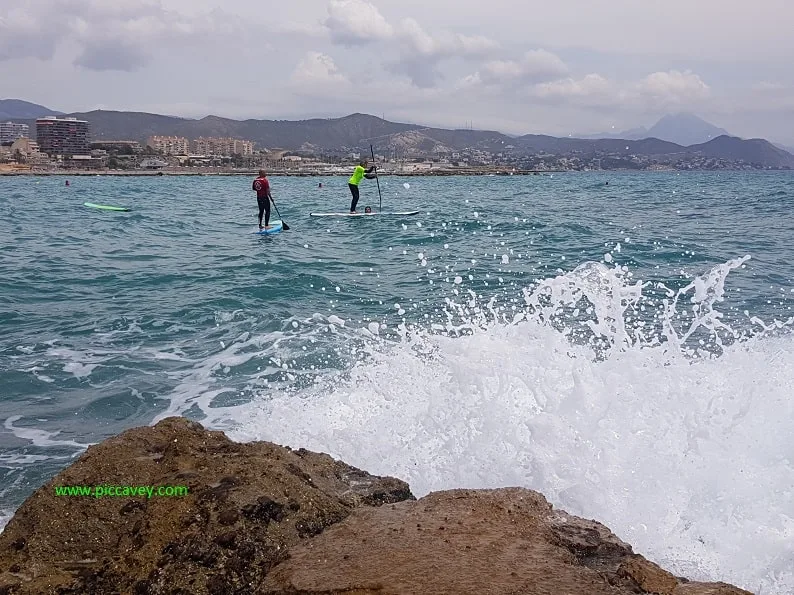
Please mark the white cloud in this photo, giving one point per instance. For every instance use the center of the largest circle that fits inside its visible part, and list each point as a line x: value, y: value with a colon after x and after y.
x: 407, y: 48
x: 592, y: 90
x: 417, y: 42
x: 658, y: 91
x: 356, y: 22
x: 421, y: 53
x: 673, y: 88
x: 535, y: 66
x: 316, y: 71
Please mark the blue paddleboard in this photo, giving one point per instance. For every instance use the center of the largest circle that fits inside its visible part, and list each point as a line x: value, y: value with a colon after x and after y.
x: 275, y: 227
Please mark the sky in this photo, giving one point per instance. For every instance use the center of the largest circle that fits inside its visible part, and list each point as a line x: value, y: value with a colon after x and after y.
x: 562, y: 68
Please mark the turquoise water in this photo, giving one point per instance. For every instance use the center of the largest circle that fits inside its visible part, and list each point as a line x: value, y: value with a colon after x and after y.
x: 608, y: 345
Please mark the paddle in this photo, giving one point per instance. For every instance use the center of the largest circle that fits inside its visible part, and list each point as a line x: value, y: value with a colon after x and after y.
x: 284, y: 225
x: 380, y: 196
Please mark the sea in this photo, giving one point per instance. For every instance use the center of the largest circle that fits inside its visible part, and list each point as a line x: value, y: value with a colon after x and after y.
x: 620, y: 342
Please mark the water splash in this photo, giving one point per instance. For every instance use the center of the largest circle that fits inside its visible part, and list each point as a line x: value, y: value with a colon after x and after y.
x: 641, y: 404
x: 613, y: 413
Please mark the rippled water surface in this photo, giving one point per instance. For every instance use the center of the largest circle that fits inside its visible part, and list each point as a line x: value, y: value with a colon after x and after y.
x: 623, y: 348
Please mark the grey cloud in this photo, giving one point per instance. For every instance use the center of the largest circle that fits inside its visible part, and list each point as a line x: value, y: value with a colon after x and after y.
x: 535, y: 66
x: 108, y: 35
x: 24, y: 34
x: 103, y: 55
x: 422, y: 72
x: 14, y: 46
x: 410, y: 67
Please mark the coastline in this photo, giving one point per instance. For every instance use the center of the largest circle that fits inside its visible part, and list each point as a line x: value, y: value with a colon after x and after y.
x: 272, y: 173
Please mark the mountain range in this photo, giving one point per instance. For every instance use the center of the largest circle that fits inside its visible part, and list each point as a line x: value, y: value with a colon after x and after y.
x: 357, y: 132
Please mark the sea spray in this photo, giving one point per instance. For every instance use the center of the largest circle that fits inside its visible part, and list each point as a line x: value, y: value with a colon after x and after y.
x: 683, y: 451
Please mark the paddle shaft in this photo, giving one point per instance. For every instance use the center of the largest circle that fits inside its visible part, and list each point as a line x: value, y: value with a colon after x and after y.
x: 380, y: 196
x: 284, y: 225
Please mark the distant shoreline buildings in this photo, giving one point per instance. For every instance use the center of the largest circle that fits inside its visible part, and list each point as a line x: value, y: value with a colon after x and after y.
x: 65, y: 142
x: 217, y: 147
x: 11, y: 131
x: 169, y: 145
x: 224, y: 147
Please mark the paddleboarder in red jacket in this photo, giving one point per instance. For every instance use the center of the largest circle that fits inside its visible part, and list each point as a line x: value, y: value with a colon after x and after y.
x: 263, y: 198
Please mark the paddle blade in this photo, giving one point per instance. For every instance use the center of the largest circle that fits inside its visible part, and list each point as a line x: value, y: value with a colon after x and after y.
x: 284, y: 226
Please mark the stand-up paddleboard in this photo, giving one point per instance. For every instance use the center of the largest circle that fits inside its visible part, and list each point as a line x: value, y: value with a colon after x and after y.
x: 275, y: 227
x: 397, y: 213
x: 104, y: 207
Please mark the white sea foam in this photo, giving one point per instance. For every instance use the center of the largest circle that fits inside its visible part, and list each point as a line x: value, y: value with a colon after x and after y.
x: 38, y: 437
x: 683, y: 450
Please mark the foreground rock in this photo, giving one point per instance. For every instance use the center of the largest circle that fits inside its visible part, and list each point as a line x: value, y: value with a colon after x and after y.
x: 247, y: 504
x: 474, y: 541
x: 261, y: 518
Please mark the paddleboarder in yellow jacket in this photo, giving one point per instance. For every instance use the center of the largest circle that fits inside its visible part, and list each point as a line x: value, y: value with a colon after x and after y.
x: 360, y: 172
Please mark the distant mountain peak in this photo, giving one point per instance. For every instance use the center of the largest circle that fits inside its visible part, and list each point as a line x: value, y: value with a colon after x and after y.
x: 682, y: 128
x: 685, y: 129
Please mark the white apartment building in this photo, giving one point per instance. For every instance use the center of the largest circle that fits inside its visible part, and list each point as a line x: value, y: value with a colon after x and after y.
x: 223, y: 146
x: 169, y: 145
x: 11, y: 131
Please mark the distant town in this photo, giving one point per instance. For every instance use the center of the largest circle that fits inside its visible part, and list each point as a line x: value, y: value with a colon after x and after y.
x: 65, y: 144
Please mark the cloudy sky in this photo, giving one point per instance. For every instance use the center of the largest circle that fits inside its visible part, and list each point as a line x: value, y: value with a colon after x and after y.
x: 564, y: 67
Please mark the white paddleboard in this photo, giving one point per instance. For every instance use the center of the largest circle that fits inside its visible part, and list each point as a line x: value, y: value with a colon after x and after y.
x: 397, y: 213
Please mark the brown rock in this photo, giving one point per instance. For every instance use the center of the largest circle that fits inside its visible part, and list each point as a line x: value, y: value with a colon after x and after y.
x: 482, y: 541
x: 650, y: 577
x: 268, y: 495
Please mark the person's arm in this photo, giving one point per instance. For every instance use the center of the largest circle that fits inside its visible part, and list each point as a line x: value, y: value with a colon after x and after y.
x: 253, y: 185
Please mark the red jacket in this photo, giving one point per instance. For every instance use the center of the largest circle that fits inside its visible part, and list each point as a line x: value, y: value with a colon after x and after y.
x: 262, y: 187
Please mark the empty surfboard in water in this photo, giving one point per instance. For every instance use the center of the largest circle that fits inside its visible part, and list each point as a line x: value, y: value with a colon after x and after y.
x: 397, y: 213
x: 104, y: 207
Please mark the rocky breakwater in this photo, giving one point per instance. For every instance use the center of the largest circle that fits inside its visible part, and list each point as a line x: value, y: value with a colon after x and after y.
x: 262, y: 518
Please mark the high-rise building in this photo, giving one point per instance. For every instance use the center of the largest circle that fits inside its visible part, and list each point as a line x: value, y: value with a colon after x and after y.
x: 11, y: 131
x: 169, y: 145
x: 63, y: 136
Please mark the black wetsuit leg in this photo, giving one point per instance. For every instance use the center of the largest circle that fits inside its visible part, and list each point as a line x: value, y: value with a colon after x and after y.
x: 264, y: 208
x: 354, y: 192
